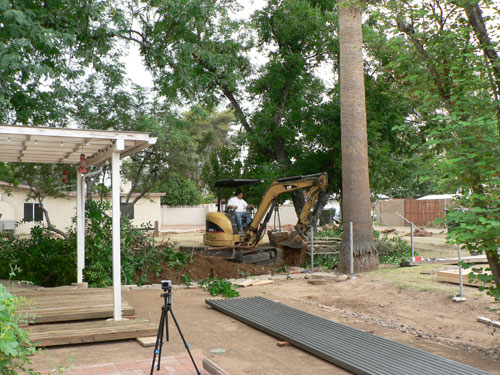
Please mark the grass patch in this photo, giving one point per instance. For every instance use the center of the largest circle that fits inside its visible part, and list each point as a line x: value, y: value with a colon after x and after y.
x: 420, y: 278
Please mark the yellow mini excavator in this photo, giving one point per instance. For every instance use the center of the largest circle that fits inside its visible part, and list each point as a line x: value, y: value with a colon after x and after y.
x: 223, y: 239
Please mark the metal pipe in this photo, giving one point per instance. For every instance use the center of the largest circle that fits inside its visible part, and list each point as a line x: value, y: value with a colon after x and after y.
x: 405, y: 219
x: 412, y: 252
x: 460, y: 271
x: 351, y: 251
x: 312, y: 248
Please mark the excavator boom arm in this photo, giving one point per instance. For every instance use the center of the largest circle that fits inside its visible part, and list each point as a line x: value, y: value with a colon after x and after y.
x: 315, y: 184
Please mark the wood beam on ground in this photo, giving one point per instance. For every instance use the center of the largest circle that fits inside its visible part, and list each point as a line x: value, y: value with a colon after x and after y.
x: 91, y: 331
x: 66, y: 305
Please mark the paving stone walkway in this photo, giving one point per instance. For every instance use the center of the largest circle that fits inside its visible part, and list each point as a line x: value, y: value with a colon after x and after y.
x: 171, y: 365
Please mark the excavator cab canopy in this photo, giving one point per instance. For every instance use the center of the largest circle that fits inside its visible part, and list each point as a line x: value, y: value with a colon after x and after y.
x: 235, y: 182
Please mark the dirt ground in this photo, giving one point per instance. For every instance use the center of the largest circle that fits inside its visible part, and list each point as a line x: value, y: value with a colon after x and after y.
x: 402, y: 304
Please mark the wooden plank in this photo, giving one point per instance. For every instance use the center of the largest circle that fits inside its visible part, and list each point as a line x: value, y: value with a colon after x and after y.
x: 488, y: 321
x: 94, y: 331
x: 466, y: 259
x: 62, y: 305
x: 452, y: 276
x: 245, y: 283
x: 67, y: 315
x: 147, y: 341
x: 66, y: 291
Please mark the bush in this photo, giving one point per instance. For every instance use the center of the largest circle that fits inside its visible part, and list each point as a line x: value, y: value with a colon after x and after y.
x: 139, y: 255
x: 217, y: 286
x: 41, y: 258
x: 15, y: 347
x: 51, y: 261
x: 393, y: 250
x: 335, y: 232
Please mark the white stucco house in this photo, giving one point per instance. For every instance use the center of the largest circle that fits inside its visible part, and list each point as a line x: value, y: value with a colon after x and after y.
x: 19, y: 213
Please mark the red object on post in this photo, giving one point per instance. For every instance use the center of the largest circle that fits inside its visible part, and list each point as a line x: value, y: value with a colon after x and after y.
x: 82, y: 164
x: 65, y: 177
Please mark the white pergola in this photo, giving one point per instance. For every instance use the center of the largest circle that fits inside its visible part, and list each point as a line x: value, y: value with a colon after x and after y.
x: 64, y: 146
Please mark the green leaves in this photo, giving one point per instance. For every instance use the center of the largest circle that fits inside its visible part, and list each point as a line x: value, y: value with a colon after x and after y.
x: 217, y: 286
x: 15, y: 347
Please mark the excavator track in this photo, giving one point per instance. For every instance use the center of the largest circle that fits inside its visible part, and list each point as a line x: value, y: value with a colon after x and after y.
x: 256, y: 255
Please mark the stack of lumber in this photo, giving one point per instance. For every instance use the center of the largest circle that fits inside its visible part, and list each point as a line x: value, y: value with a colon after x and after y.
x: 325, y: 246
x: 48, y: 306
x: 90, y: 331
x: 452, y: 276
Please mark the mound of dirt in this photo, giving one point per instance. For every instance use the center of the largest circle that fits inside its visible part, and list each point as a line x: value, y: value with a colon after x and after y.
x: 294, y: 257
x: 421, y: 233
x: 203, y: 267
x: 291, y: 257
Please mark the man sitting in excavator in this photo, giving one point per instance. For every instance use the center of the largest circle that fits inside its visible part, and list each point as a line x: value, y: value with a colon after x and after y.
x: 240, y: 206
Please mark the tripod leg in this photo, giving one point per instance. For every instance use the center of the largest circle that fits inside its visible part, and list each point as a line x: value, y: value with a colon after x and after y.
x: 159, y: 343
x: 164, y: 322
x: 185, y: 343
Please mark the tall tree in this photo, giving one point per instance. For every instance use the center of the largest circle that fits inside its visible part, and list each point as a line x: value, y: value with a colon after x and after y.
x: 355, y: 176
x: 444, y: 59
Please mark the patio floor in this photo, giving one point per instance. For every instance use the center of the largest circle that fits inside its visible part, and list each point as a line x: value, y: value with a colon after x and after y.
x: 170, y: 365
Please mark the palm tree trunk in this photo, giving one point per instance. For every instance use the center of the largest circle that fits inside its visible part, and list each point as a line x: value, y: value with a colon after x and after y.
x: 355, y: 178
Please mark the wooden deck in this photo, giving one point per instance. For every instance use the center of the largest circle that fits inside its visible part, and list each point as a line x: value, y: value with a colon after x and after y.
x: 90, y: 331
x: 65, y: 316
x: 49, y: 306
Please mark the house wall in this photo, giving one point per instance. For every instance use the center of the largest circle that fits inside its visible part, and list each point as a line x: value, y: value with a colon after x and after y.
x: 195, y: 215
x: 186, y: 215
x: 63, y: 210
x: 147, y: 210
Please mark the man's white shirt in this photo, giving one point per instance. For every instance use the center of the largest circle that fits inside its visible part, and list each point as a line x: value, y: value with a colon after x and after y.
x: 240, y: 204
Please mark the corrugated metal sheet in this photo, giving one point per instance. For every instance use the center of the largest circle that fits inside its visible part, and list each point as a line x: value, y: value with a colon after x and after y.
x: 354, y: 350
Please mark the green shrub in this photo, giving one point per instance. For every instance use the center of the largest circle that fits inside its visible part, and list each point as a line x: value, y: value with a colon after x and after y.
x: 15, y: 347
x: 139, y: 254
x: 51, y: 261
x: 217, y: 286
x: 393, y: 250
x: 328, y: 261
x: 335, y: 232
x: 41, y: 259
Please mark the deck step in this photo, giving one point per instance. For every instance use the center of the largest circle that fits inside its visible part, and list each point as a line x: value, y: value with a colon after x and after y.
x: 43, y: 335
x: 52, y: 306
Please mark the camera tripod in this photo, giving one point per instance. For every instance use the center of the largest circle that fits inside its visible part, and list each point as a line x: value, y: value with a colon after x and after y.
x: 163, y: 327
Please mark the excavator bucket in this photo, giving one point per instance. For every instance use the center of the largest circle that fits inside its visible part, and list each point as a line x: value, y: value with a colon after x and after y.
x: 294, y: 241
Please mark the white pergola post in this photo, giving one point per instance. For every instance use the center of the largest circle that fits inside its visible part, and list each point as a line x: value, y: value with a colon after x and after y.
x: 80, y: 226
x: 115, y: 185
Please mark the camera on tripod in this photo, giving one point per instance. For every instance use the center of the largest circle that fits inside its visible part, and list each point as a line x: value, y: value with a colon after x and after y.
x: 166, y: 285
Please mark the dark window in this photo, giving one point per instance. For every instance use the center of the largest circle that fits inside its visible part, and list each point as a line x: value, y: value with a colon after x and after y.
x: 28, y: 212
x: 38, y: 212
x: 32, y: 212
x: 127, y: 209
